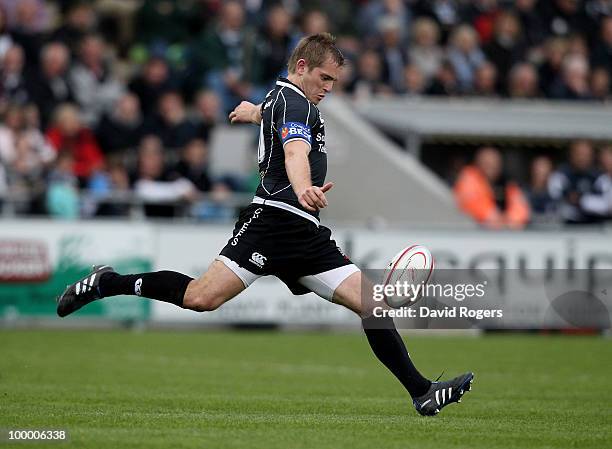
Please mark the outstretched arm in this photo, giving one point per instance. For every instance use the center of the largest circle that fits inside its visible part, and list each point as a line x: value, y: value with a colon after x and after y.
x: 246, y: 112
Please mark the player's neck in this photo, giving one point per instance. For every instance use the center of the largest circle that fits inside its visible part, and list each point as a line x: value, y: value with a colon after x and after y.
x: 295, y: 79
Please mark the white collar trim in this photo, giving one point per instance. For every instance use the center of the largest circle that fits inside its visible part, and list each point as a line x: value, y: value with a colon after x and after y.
x: 290, y: 86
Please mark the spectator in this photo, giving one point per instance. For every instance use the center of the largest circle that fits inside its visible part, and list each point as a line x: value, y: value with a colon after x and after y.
x: 506, y: 47
x: 110, y: 189
x: 372, y: 12
x: 223, y: 58
x: 393, y: 54
x: 425, y: 52
x: 523, y: 81
x: 121, y: 129
x: 600, y: 84
x: 574, y: 81
x: 68, y: 134
x: 599, y: 203
x: 155, y: 185
x: 193, y: 165
x: 486, y: 195
x: 596, y: 10
x: 80, y: 21
x: 314, y: 21
x: 550, y: 70
x: 571, y: 181
x: 414, y: 81
x: 272, y: 49
x: 13, y: 83
x: 542, y: 204
x: 164, y: 22
x: 6, y: 41
x: 149, y: 85
x: 602, y: 54
x: 482, y: 15
x: 531, y: 22
x: 368, y: 80
x: 171, y: 124
x: 94, y: 85
x: 207, y: 113
x: 27, y: 31
x: 446, y: 13
x: 485, y: 81
x: 50, y: 86
x: 62, y: 196
x: 445, y: 83
x: 23, y: 150
x: 564, y: 17
x: 465, y: 55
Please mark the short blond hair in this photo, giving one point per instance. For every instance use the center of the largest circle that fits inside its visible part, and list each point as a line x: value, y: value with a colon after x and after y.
x: 315, y: 50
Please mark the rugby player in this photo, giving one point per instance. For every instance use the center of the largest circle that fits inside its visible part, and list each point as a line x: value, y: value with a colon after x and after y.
x: 279, y: 233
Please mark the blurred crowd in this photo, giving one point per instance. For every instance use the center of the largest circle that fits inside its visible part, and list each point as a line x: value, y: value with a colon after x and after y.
x: 120, y: 97
x: 578, y: 191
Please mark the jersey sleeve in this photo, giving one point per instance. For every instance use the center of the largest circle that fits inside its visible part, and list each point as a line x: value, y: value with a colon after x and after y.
x: 293, y: 119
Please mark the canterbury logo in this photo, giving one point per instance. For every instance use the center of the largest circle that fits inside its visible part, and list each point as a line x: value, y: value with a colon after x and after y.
x: 137, y: 287
x: 443, y: 393
x: 258, y: 259
x: 85, y: 285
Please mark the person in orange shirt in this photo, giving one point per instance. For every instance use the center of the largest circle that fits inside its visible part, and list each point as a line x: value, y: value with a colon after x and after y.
x: 483, y: 193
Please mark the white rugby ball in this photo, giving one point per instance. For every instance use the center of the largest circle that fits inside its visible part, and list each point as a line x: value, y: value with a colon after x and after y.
x: 412, y: 268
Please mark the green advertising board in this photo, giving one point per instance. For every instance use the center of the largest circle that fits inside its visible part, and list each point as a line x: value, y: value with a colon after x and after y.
x: 37, y: 261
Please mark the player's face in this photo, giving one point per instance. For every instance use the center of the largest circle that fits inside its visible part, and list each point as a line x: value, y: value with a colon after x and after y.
x: 319, y: 81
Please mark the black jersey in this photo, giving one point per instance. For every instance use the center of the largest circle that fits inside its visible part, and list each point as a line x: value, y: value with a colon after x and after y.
x: 288, y: 115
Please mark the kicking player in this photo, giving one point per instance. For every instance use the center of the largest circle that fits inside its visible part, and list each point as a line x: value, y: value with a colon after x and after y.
x: 279, y: 233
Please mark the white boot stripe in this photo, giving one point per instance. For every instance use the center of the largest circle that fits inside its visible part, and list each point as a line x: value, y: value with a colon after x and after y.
x: 437, y: 397
x: 78, y: 288
x: 449, y: 393
x: 443, y: 396
x: 91, y: 280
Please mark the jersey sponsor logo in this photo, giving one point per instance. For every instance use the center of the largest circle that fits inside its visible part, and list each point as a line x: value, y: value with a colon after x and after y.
x: 258, y: 259
x: 295, y: 130
x: 245, y: 226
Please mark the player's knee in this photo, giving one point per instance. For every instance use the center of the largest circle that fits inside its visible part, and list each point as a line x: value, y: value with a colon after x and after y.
x: 202, y: 302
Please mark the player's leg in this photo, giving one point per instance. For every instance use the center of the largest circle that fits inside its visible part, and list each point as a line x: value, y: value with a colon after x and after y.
x: 208, y: 292
x: 385, y: 341
x: 427, y: 397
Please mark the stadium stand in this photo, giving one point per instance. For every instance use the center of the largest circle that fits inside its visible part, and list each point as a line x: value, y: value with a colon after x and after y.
x: 439, y: 78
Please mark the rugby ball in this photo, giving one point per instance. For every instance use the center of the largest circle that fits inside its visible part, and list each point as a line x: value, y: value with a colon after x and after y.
x: 411, y: 269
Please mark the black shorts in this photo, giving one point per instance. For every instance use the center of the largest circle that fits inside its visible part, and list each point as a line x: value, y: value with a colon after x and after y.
x: 268, y: 240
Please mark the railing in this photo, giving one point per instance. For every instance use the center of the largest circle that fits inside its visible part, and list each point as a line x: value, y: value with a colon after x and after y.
x: 135, y: 206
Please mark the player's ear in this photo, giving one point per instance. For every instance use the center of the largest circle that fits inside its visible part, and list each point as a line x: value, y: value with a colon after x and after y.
x: 301, y: 66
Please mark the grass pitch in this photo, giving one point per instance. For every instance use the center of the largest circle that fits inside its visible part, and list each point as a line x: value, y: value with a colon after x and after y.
x: 115, y: 389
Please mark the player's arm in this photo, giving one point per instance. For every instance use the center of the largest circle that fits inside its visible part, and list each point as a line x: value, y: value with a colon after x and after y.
x: 311, y: 197
x: 246, y: 112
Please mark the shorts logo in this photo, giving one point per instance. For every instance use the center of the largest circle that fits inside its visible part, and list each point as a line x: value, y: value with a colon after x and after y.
x: 138, y: 286
x: 245, y: 226
x: 258, y: 259
x: 295, y: 130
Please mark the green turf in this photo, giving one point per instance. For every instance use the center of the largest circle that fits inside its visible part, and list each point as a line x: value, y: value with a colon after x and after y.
x: 119, y: 389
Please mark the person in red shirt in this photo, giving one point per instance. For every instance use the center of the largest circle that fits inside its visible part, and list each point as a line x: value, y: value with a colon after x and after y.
x: 67, y: 133
x: 482, y: 192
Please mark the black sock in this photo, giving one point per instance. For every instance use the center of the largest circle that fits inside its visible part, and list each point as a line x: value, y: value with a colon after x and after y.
x: 388, y: 346
x: 168, y: 286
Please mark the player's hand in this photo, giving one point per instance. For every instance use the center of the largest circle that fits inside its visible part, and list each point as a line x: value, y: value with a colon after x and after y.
x: 313, y: 197
x: 244, y: 113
